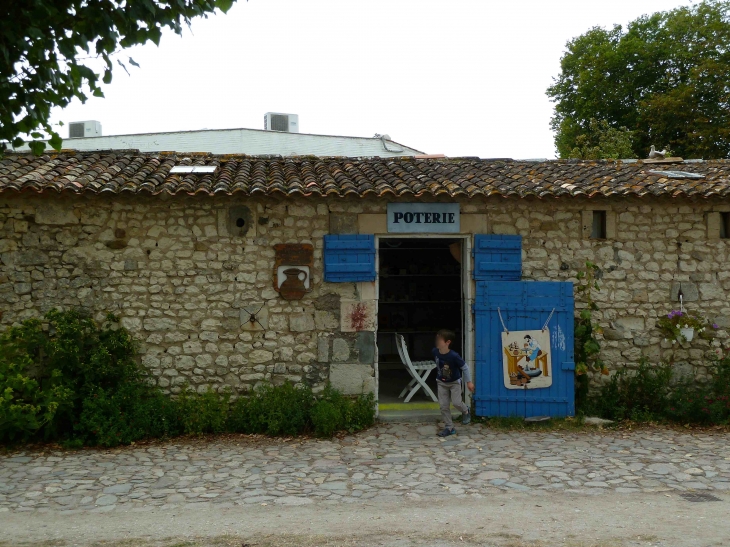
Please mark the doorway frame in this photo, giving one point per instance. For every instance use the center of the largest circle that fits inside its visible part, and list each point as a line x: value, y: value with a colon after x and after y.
x: 467, y: 287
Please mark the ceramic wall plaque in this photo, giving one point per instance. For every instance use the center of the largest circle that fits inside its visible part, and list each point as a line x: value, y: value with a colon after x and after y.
x: 292, y: 270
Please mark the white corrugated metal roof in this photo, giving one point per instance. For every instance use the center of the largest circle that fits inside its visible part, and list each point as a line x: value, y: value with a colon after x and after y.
x: 252, y: 142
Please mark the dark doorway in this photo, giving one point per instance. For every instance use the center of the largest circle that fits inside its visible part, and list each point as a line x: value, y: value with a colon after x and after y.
x: 420, y: 292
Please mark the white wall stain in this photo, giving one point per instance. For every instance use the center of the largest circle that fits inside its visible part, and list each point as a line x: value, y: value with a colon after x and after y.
x: 558, y: 338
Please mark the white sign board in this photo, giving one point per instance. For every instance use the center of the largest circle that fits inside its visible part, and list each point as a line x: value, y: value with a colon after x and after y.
x: 423, y: 218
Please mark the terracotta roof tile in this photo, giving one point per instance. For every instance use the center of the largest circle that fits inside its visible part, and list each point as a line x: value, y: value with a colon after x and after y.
x: 130, y: 172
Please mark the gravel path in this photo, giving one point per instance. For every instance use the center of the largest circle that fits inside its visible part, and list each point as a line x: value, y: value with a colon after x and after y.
x: 505, y: 519
x: 386, y: 463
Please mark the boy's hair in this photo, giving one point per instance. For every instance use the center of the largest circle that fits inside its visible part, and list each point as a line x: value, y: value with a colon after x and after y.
x: 446, y: 335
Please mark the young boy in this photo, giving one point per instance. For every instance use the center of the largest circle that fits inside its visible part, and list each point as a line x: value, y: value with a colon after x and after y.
x: 451, y: 369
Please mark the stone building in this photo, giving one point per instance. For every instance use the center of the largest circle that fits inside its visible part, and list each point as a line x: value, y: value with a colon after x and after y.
x: 191, y: 259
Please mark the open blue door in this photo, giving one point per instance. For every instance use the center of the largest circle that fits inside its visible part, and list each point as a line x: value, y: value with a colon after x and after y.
x: 524, y: 306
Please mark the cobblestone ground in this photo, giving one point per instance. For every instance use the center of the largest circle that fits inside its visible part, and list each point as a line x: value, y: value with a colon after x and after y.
x: 382, y: 464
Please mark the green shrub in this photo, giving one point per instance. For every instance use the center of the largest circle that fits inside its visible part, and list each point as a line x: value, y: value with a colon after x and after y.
x: 273, y: 410
x: 288, y: 410
x: 244, y: 417
x: 348, y: 414
x: 639, y: 395
x: 203, y: 412
x: 75, y: 356
x: 650, y: 394
x: 113, y: 417
x: 25, y: 408
x: 327, y: 418
x: 710, y: 404
x: 362, y: 413
x: 75, y: 381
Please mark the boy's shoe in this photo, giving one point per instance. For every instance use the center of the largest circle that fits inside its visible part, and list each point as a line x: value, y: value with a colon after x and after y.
x: 446, y: 432
x: 466, y: 417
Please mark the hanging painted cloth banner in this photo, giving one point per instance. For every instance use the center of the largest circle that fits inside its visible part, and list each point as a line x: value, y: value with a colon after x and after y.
x: 526, y: 358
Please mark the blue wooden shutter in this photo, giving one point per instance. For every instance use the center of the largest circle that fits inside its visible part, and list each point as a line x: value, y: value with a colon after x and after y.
x: 497, y: 257
x: 524, y: 305
x: 349, y: 258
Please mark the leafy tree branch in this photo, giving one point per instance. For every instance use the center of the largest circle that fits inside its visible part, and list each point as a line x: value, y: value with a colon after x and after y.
x: 44, y: 46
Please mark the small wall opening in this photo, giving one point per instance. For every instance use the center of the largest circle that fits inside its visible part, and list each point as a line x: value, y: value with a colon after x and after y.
x: 598, y: 228
x: 725, y: 225
x: 240, y: 219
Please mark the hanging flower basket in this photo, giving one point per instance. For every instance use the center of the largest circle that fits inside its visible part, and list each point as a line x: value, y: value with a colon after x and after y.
x: 681, y: 326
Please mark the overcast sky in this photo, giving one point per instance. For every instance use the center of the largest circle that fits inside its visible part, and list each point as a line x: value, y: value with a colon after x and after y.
x: 462, y: 78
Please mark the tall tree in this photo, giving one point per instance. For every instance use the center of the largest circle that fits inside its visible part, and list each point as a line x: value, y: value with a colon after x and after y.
x: 666, y: 77
x: 46, y: 46
x: 602, y: 142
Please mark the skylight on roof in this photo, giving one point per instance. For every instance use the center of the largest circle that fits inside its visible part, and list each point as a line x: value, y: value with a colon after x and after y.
x: 193, y: 169
x: 678, y: 174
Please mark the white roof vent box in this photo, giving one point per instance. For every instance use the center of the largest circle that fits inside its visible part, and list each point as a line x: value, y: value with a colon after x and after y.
x: 678, y: 174
x: 88, y: 128
x: 197, y: 169
x: 277, y: 121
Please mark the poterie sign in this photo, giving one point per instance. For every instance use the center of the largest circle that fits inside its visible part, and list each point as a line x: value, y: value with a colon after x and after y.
x: 411, y: 218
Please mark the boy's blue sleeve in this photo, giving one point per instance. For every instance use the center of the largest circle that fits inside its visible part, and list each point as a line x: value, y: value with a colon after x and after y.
x: 465, y: 372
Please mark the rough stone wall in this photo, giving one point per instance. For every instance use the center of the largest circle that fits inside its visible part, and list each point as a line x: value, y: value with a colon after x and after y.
x: 653, y: 246
x: 185, y: 277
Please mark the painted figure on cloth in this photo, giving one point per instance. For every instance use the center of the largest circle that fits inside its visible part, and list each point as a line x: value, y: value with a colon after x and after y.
x: 526, y: 364
x: 532, y: 351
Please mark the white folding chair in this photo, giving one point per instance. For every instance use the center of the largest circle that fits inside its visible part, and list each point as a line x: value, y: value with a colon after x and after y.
x: 419, y: 371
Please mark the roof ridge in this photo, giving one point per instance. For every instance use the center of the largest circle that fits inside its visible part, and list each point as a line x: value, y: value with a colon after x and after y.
x: 429, y: 158
x: 117, y: 171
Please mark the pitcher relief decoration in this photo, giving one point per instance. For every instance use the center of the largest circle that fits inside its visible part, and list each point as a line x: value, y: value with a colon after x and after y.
x: 292, y: 270
x: 293, y: 288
